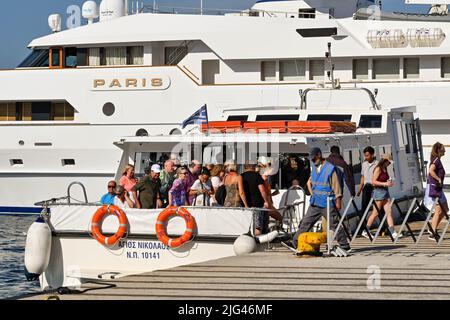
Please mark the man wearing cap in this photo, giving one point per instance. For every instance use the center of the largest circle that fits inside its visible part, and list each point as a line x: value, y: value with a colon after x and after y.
x: 149, y: 190
x: 323, y: 183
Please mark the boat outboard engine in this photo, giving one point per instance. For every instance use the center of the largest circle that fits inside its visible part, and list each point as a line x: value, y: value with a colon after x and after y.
x: 37, y: 249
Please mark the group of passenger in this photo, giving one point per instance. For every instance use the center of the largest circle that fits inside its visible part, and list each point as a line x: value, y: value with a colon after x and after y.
x: 196, y: 185
x: 223, y: 185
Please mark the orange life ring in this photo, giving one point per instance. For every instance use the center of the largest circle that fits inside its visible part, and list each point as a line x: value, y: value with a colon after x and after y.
x: 161, y: 226
x: 97, y: 221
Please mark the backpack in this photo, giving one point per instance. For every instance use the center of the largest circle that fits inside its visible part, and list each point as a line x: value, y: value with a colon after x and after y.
x: 221, y: 194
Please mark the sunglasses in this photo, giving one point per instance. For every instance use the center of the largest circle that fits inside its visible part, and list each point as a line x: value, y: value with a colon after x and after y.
x: 183, y: 172
x: 111, y: 187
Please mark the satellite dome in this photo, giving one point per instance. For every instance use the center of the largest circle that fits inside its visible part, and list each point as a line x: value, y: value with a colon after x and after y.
x: 112, y: 9
x: 90, y: 10
x: 54, y: 22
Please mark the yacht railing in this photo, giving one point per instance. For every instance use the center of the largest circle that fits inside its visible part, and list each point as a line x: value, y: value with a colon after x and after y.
x: 226, y: 11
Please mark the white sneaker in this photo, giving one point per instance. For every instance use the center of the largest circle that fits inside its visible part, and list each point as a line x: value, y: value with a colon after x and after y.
x: 365, y: 234
x: 396, y: 235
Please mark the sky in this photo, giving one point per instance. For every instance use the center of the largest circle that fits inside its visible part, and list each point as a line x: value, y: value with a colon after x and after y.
x: 23, y: 20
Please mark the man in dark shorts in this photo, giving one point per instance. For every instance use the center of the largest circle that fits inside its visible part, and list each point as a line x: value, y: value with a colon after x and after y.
x: 256, y: 196
x: 149, y: 190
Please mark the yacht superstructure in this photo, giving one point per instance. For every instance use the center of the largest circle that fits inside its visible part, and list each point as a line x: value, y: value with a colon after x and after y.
x: 143, y: 74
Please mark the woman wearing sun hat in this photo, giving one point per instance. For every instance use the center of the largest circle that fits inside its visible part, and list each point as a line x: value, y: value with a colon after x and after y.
x: 381, y: 196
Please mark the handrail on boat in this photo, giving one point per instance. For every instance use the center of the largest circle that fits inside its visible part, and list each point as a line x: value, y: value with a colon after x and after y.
x: 82, y: 186
x: 304, y: 93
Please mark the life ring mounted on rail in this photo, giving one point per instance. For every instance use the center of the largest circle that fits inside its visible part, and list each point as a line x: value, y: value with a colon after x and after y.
x: 97, y: 221
x: 161, y: 223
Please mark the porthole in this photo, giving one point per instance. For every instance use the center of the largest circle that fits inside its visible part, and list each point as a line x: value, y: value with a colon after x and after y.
x: 175, y: 132
x: 109, y: 109
x: 142, y: 133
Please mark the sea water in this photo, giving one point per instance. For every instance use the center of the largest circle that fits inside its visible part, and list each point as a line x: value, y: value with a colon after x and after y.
x: 12, y: 247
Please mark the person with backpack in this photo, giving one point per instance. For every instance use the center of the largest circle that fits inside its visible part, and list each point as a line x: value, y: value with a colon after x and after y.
x: 343, y: 169
x: 167, y: 178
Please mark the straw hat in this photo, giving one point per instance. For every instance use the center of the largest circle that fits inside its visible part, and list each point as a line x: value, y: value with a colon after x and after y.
x: 387, y: 156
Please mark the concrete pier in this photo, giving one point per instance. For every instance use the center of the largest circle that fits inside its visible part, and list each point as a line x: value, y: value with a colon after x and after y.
x: 374, y: 271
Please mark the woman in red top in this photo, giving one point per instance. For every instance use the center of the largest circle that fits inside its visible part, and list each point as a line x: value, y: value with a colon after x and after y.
x: 382, y: 182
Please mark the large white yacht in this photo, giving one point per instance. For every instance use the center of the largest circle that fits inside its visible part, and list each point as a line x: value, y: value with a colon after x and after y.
x: 144, y: 72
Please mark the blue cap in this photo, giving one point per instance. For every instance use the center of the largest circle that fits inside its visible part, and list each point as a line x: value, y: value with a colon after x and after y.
x: 314, y: 152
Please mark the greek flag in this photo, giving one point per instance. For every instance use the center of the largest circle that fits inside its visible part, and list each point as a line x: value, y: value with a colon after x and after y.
x: 199, y: 117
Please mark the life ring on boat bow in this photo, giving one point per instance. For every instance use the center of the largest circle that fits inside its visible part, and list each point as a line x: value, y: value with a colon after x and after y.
x: 161, y: 226
x: 97, y: 221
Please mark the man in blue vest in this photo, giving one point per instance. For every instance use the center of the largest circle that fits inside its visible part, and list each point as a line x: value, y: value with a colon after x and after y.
x: 323, y: 183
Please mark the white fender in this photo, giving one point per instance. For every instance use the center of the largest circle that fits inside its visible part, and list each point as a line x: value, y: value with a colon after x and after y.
x: 265, y: 238
x: 245, y: 244
x: 38, y: 248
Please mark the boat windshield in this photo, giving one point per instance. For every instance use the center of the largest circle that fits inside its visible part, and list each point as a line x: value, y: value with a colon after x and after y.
x: 37, y: 58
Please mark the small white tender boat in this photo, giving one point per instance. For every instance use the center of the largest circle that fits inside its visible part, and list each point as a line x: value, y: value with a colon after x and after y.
x: 76, y: 257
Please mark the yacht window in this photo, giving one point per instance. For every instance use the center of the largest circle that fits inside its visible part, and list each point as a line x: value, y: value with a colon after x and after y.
x: 68, y: 162
x: 386, y: 68
x: 109, y: 109
x: 361, y: 69
x: 370, y: 121
x: 173, y: 55
x: 142, y: 133
x: 316, y: 69
x: 94, y: 57
x: 237, y: 118
x: 268, y: 71
x: 37, y: 111
x: 116, y: 56
x: 292, y: 70
x: 135, y: 55
x: 62, y: 111
x: 56, y: 58
x: 309, y: 13
x: 70, y: 57
x: 278, y: 117
x: 82, y: 57
x: 317, y: 32
x: 7, y: 111
x: 36, y: 59
x: 41, y: 111
x: 16, y: 162
x: 329, y: 117
x: 445, y: 67
x: 411, y: 68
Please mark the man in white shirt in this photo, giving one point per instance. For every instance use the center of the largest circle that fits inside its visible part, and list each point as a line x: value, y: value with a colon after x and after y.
x: 366, y: 187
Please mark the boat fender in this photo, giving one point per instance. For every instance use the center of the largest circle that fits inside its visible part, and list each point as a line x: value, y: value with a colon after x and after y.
x: 245, y: 244
x: 265, y: 238
x: 37, y: 249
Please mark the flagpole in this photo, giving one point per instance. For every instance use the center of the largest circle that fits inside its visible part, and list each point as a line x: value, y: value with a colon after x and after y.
x: 207, y: 120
